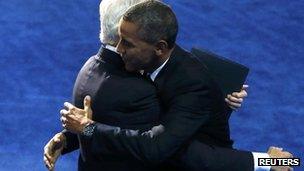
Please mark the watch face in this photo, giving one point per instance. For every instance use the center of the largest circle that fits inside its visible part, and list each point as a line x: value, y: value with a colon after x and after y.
x: 88, y: 130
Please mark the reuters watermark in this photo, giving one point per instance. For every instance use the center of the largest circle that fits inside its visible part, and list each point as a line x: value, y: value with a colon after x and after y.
x: 279, y: 162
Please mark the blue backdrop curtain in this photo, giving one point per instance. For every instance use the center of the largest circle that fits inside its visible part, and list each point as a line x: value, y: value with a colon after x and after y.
x: 43, y: 44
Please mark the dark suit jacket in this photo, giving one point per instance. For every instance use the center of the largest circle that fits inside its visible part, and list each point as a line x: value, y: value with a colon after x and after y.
x: 118, y: 98
x: 194, y: 109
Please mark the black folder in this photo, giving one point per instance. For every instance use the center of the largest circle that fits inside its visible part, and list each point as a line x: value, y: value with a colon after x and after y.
x: 229, y: 75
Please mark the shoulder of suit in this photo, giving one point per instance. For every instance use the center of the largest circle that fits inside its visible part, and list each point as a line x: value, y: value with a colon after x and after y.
x: 89, y: 61
x: 92, y: 59
x: 188, y: 73
x: 190, y: 67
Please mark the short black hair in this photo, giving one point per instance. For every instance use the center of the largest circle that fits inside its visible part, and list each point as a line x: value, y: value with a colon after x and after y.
x: 155, y: 20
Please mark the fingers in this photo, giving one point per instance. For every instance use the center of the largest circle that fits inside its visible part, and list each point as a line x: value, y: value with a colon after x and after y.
x: 52, y: 150
x: 64, y: 112
x: 87, y: 107
x: 69, y: 121
x: 47, y: 162
x: 71, y: 118
x: 68, y: 106
x: 63, y: 120
x: 57, y: 138
x: 87, y: 103
x: 276, y: 152
x: 64, y: 117
x: 234, y: 99
x: 240, y: 94
x: 273, y: 149
x: 286, y: 154
x: 58, y: 143
x: 233, y: 105
x: 276, y: 148
x: 47, y: 157
x: 71, y: 109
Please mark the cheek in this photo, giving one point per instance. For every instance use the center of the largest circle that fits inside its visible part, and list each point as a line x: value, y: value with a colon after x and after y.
x: 131, y: 55
x: 135, y: 55
x: 132, y: 59
x: 148, y: 57
x: 139, y: 58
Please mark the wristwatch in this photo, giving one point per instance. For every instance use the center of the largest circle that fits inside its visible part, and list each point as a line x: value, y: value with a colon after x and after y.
x: 88, y: 130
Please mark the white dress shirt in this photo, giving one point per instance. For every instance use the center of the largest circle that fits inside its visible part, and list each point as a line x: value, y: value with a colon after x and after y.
x: 111, y: 48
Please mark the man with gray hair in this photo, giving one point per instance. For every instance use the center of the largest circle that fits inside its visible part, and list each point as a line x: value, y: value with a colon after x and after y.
x: 93, y: 154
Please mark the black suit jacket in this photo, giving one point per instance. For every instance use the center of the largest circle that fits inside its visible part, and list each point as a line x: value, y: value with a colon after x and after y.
x: 194, y: 109
x: 118, y: 98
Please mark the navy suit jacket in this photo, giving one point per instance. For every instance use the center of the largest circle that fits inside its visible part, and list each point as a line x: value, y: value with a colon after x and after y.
x: 119, y: 98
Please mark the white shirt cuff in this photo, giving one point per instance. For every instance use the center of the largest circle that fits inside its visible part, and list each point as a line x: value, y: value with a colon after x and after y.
x: 260, y: 155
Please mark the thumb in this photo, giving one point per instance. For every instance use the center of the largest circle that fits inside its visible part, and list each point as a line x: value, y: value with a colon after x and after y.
x: 87, y: 103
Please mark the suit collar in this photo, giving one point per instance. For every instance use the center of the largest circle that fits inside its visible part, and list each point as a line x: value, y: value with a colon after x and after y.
x: 177, y: 54
x: 111, y: 57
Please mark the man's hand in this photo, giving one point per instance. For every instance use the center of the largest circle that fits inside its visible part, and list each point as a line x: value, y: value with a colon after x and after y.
x: 52, y: 150
x: 75, y: 119
x: 275, y: 152
x: 235, y: 99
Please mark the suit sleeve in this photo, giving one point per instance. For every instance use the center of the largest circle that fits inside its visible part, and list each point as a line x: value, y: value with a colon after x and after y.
x: 72, y: 142
x: 199, y: 156
x: 189, y: 110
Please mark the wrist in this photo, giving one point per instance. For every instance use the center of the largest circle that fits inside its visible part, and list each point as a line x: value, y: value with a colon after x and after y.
x: 88, y: 129
x: 62, y: 138
x: 85, y: 123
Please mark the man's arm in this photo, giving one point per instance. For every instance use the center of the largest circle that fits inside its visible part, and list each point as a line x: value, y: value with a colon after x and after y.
x: 199, y: 156
x: 188, y: 112
x: 53, y: 149
x: 234, y: 101
x: 151, y: 146
x: 71, y: 142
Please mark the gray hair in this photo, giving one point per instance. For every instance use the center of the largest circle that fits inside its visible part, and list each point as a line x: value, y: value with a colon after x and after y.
x: 111, y: 12
x: 155, y: 20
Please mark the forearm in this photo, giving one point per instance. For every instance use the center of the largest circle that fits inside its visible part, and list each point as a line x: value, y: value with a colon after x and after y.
x: 187, y: 113
x: 144, y: 147
x: 153, y: 146
x: 199, y: 156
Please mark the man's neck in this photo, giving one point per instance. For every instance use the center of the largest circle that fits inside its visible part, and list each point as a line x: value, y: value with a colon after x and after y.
x: 156, y: 71
x: 161, y: 62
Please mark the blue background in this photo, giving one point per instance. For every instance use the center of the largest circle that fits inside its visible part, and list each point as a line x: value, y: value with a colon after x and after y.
x: 43, y: 44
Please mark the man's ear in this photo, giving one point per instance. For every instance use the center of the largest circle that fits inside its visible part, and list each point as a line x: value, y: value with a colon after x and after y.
x: 161, y: 47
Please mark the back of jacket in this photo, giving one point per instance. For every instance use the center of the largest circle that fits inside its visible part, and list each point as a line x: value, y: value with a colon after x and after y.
x: 119, y: 98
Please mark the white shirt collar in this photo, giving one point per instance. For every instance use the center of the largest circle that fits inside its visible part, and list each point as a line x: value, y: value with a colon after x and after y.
x: 111, y: 48
x: 155, y: 73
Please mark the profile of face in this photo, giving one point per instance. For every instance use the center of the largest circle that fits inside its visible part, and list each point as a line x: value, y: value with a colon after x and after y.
x: 136, y: 53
